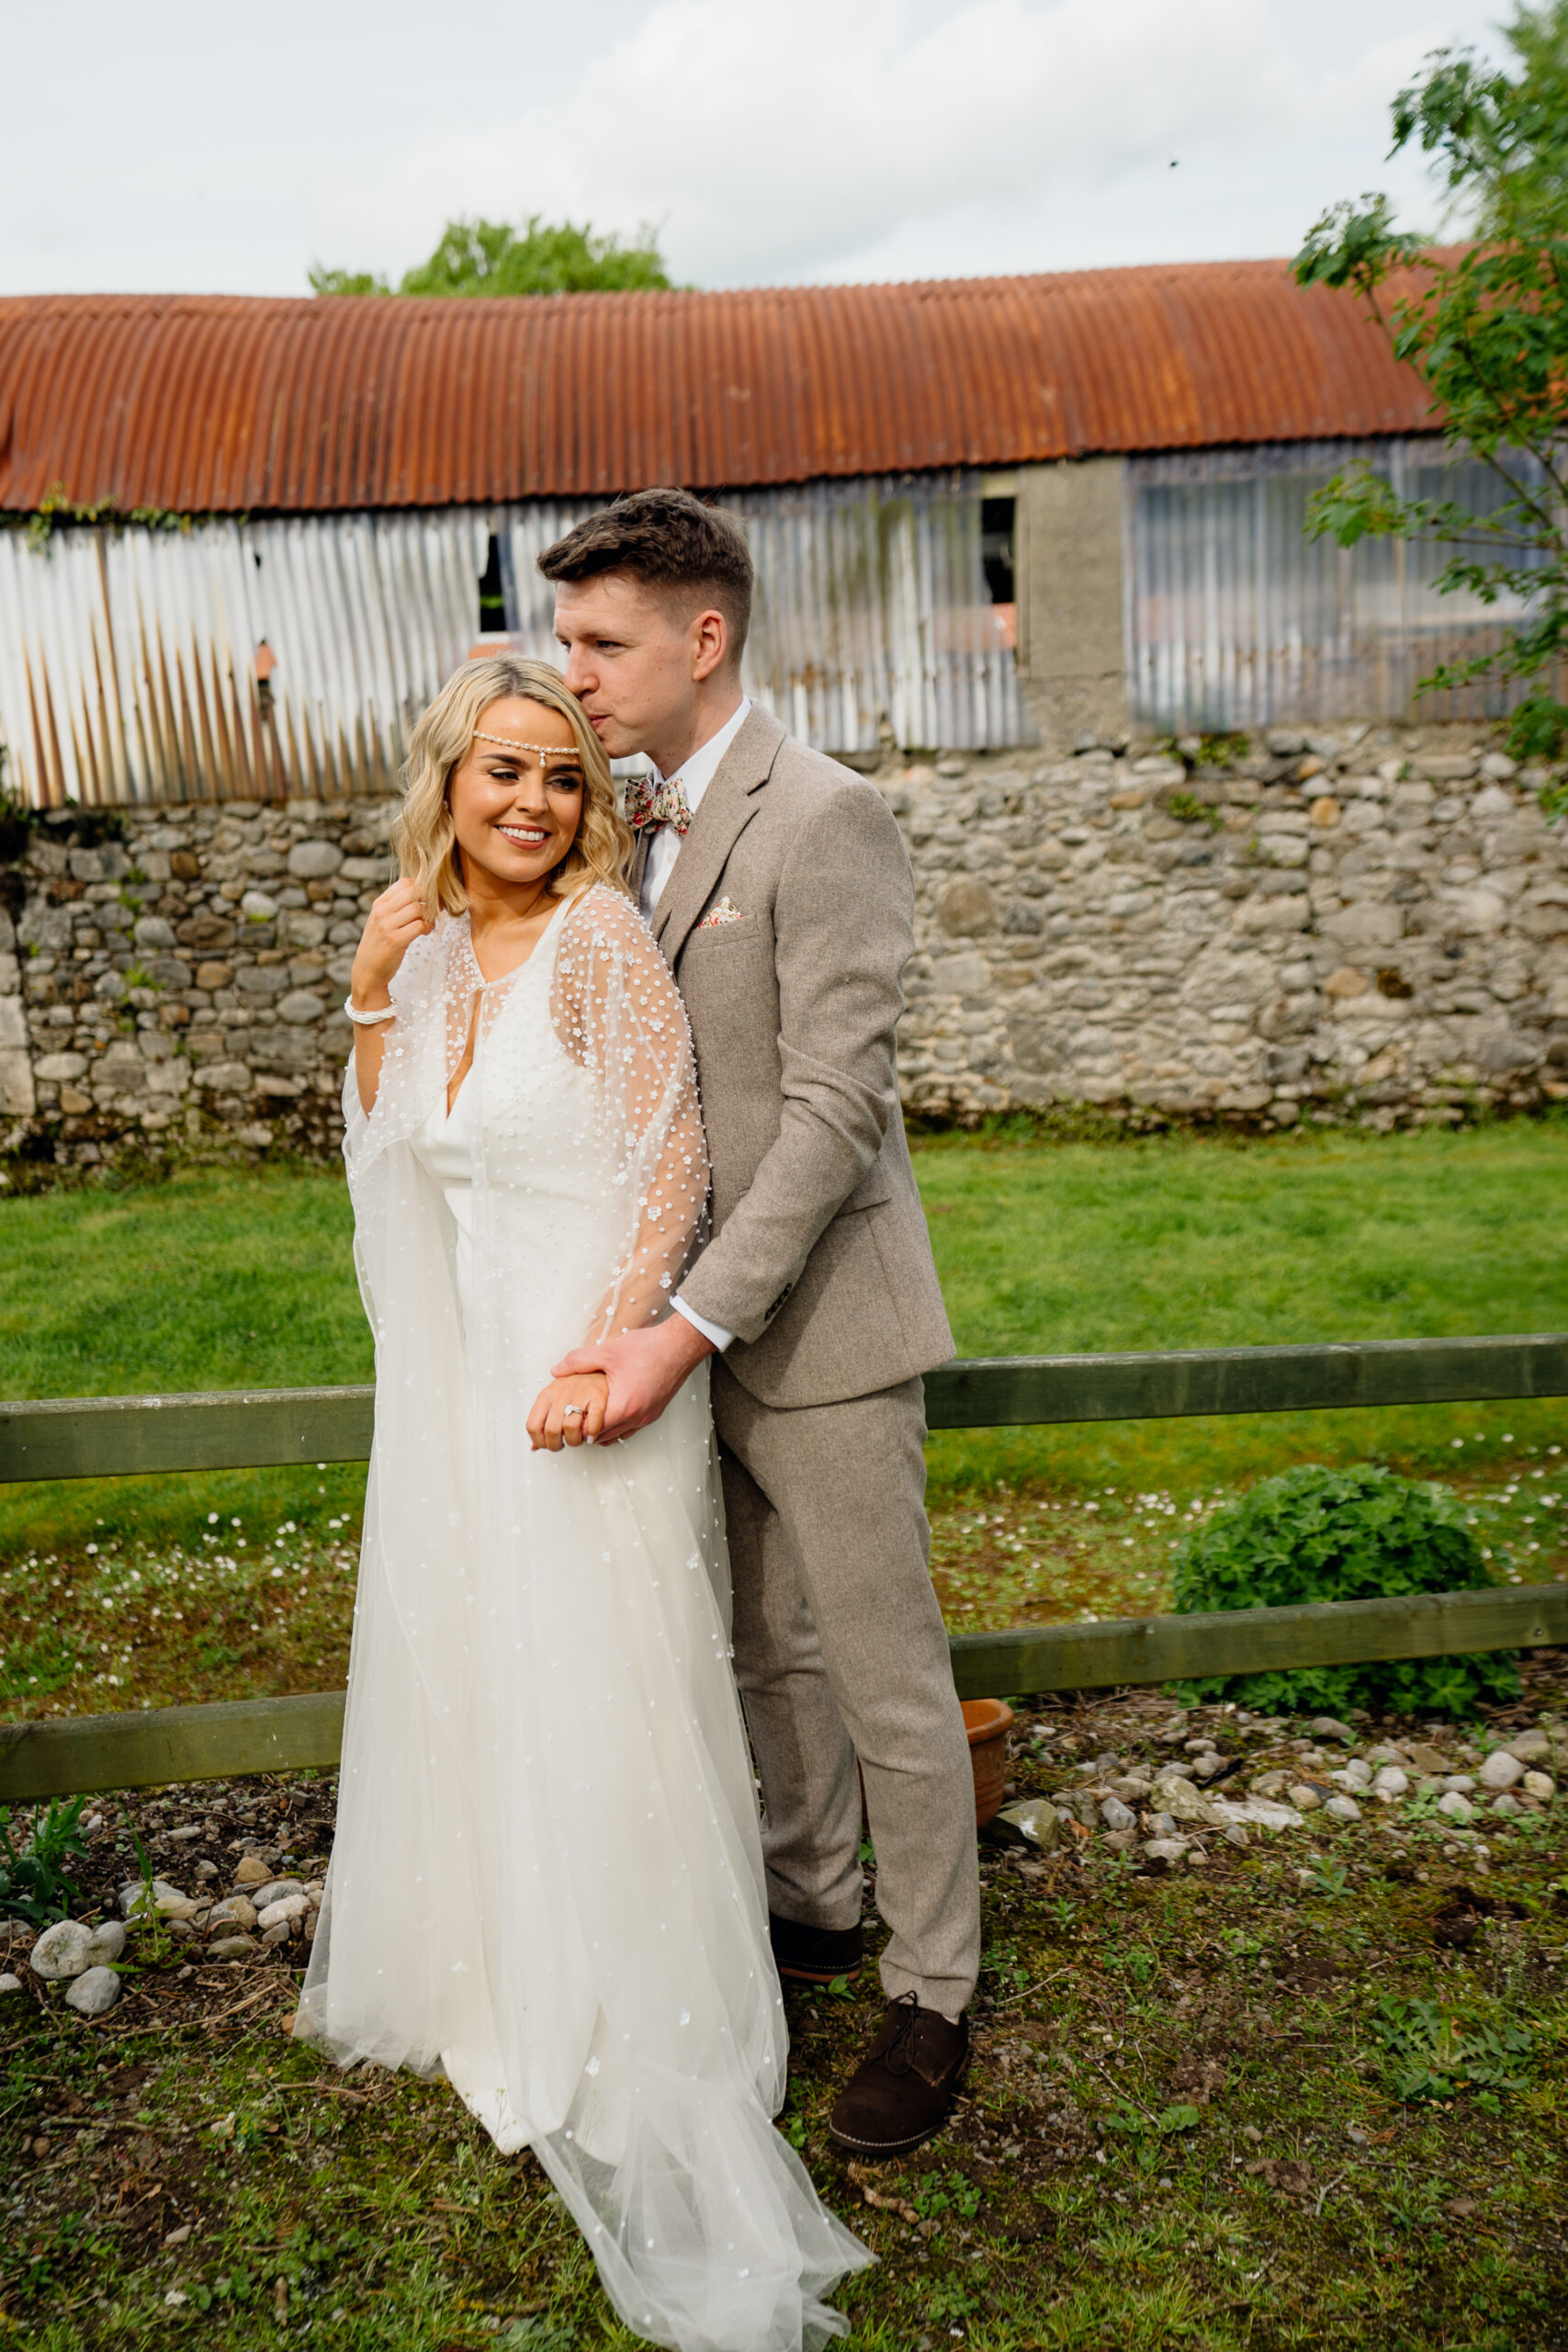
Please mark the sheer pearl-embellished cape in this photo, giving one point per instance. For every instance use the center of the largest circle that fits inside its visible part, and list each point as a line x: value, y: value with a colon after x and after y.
x: 546, y: 1881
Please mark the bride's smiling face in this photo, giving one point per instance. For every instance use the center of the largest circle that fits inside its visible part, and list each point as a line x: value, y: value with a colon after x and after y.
x: 516, y: 797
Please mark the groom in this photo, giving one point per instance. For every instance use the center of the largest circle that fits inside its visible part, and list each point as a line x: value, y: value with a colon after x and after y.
x: 778, y: 888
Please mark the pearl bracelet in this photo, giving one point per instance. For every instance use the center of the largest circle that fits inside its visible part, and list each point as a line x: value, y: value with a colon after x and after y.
x: 364, y: 1020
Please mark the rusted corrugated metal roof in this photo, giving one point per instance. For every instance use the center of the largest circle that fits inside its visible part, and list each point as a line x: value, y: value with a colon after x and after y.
x: 212, y: 404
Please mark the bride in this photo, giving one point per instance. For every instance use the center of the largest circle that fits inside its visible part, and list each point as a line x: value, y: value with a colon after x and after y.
x: 547, y: 1880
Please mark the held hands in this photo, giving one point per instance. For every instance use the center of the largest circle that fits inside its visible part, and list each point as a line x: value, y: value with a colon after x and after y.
x: 645, y: 1369
x: 394, y: 923
x: 569, y: 1412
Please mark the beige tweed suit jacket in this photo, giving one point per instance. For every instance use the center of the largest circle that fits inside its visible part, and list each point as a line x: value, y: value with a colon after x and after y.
x: 819, y: 1260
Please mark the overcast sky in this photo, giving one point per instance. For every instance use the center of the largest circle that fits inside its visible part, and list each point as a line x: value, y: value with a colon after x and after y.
x: 219, y: 148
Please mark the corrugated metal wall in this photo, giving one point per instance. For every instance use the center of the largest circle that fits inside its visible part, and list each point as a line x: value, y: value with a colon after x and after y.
x: 128, y: 658
x: 870, y: 609
x: 1236, y: 619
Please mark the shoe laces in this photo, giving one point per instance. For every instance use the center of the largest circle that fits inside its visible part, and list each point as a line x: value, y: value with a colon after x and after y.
x: 901, y: 2048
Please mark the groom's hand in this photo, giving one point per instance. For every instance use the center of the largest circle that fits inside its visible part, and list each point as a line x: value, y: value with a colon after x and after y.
x: 644, y: 1369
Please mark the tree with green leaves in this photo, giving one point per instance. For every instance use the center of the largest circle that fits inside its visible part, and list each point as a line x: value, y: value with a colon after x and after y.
x: 1487, y: 329
x: 539, y: 257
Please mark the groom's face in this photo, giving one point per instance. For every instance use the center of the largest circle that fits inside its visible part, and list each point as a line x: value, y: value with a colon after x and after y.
x: 632, y: 661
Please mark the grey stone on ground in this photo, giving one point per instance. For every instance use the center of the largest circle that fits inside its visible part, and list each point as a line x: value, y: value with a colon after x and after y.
x: 1528, y: 1746
x: 95, y: 1993
x: 1122, y: 1841
x: 1507, y: 1804
x: 9, y: 1983
x: 1330, y: 1727
x: 278, y: 1935
x: 171, y: 1903
x: 1390, y: 1783
x: 1463, y: 1781
x: 1162, y: 1824
x: 275, y: 1889
x: 1343, y: 1808
x: 280, y: 1913
x: 1539, y: 1784
x: 1501, y: 1770
x: 1180, y: 1798
x: 70, y: 1948
x: 1456, y: 1806
x: 232, y: 1948
x: 239, y: 1911
x: 1033, y: 1821
x: 1208, y: 1764
x: 1118, y: 1816
x: 1304, y: 1797
x: 61, y: 1952
x: 1165, y: 1850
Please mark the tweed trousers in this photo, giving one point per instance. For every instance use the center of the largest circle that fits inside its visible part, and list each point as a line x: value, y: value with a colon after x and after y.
x: 841, y: 1654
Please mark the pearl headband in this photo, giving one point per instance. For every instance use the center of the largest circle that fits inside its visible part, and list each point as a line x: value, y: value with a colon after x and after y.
x: 543, y: 751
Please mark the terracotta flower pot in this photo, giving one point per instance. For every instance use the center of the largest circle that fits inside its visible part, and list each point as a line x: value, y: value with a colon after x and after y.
x: 987, y: 1722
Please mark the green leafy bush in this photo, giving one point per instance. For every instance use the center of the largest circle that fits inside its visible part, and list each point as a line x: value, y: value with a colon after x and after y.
x: 33, y: 1884
x: 1316, y: 1534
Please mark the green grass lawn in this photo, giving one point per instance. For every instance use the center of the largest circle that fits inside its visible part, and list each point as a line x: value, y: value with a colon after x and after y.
x: 1174, y: 1243
x: 218, y: 1279
x: 1186, y: 2122
x: 222, y: 1279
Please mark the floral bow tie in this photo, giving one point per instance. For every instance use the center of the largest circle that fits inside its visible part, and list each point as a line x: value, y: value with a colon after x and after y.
x: 648, y: 805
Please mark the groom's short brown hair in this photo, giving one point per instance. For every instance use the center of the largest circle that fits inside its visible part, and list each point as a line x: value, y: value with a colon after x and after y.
x: 671, y: 543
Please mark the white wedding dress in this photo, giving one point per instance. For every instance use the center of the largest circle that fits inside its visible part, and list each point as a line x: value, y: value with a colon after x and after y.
x: 547, y: 1881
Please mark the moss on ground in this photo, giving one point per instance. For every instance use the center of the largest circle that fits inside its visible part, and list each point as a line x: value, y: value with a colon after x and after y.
x: 1206, y: 2106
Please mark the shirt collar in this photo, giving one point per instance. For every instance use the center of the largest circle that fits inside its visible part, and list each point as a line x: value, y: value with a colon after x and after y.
x: 699, y: 771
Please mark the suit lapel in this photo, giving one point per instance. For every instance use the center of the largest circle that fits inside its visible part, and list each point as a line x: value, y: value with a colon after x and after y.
x: 728, y: 807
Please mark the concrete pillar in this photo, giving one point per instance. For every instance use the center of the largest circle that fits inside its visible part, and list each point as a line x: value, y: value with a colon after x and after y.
x: 1071, y: 629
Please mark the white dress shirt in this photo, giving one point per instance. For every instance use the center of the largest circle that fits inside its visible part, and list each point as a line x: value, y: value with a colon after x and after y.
x: 694, y: 777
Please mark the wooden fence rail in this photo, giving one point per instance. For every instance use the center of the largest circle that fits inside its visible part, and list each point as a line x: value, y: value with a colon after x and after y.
x: 114, y: 1436
x: 108, y: 1437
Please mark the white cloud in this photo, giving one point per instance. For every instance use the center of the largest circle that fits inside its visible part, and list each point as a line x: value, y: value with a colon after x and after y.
x: 770, y: 140
x: 787, y: 139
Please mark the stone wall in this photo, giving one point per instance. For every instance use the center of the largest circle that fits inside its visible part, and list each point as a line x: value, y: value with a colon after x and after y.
x: 180, y: 987
x: 1357, y: 922
x: 1365, y: 924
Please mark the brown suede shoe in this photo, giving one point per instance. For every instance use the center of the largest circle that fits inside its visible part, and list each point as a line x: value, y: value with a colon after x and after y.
x: 905, y: 2089
x: 806, y: 1955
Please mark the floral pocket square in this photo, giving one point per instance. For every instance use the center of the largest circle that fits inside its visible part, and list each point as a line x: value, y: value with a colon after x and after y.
x: 724, y: 911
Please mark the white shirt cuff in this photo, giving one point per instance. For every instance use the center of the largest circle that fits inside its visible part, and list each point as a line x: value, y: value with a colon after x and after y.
x: 715, y: 1332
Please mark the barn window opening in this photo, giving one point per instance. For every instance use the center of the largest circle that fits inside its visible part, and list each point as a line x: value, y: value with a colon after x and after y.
x: 997, y: 521
x: 998, y: 518
x: 493, y: 594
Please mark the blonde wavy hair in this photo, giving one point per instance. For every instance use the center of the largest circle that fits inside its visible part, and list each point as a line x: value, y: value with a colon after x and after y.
x: 423, y: 835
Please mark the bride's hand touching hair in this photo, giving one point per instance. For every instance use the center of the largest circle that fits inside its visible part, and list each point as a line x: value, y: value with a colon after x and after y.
x: 398, y: 917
